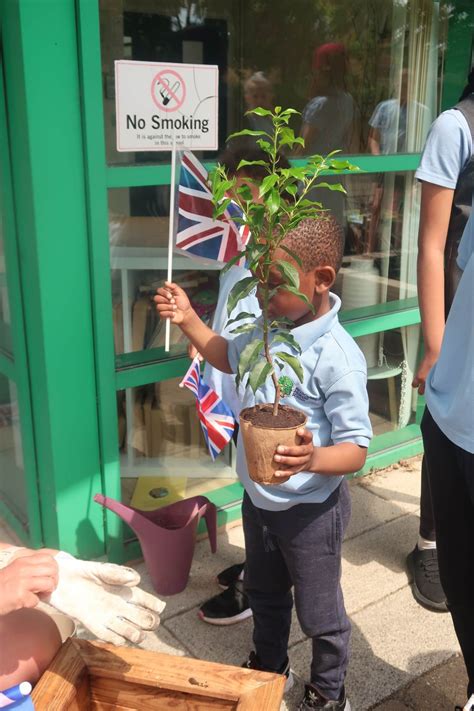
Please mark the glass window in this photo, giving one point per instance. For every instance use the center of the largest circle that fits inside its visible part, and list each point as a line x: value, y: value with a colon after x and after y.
x: 391, y: 359
x: 364, y: 75
x: 162, y: 446
x: 380, y: 216
x: 138, y: 228
x: 12, y: 476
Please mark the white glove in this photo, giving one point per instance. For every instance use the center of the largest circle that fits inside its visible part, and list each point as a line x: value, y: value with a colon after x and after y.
x: 105, y: 598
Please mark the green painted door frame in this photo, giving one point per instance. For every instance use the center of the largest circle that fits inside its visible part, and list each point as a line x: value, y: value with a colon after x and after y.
x: 43, y: 97
x: 59, y: 176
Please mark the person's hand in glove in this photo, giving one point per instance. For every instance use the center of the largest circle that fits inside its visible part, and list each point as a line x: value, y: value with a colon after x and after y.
x: 105, y: 598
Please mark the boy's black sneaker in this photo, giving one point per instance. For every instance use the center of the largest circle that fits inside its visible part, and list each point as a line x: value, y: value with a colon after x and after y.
x: 228, y: 607
x: 253, y: 662
x: 424, y: 568
x: 312, y: 699
x: 230, y: 575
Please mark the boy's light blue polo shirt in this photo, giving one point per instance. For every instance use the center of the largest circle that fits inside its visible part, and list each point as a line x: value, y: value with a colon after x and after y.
x: 333, y: 395
x: 450, y: 383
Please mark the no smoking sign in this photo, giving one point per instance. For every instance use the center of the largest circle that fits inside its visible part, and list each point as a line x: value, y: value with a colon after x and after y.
x: 158, y: 104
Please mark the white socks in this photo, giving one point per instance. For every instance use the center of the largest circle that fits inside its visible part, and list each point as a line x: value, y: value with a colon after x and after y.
x: 425, y: 545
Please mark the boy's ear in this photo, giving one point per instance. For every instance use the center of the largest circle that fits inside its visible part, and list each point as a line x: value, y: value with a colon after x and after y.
x: 324, y: 278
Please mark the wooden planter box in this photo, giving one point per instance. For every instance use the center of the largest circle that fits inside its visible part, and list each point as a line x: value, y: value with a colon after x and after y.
x: 90, y: 675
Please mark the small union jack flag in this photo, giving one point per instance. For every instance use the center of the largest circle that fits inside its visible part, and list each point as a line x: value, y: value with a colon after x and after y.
x: 198, y: 233
x: 217, y: 421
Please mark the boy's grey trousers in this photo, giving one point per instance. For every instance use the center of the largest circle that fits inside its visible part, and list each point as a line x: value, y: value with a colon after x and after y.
x: 300, y: 548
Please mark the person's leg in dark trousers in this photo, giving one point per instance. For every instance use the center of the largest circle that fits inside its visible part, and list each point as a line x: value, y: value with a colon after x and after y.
x: 427, y: 524
x: 451, y: 471
x: 300, y: 546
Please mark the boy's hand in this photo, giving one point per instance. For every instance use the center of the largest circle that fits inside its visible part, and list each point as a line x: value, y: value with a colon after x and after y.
x: 295, y: 459
x: 172, y: 302
x: 25, y: 579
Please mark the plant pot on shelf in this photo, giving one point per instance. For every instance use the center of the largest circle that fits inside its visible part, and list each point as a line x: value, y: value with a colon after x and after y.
x: 262, y: 433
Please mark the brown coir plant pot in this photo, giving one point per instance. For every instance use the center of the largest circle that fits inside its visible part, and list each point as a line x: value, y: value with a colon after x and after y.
x: 262, y: 433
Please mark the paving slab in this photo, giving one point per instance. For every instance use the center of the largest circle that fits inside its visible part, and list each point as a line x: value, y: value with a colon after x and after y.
x: 369, y: 510
x: 400, y: 484
x: 373, y: 563
x: 440, y: 688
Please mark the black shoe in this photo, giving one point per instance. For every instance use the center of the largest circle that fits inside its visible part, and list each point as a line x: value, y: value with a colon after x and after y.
x: 228, y: 607
x: 253, y: 662
x: 312, y: 699
x: 230, y: 575
x: 423, y: 566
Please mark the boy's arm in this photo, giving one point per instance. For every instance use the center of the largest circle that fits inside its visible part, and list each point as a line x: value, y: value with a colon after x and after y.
x: 347, y: 408
x: 436, y: 205
x: 172, y: 302
x: 335, y: 460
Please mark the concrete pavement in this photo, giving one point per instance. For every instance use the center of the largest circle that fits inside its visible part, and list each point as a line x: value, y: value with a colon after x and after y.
x: 403, y: 656
x: 395, y: 642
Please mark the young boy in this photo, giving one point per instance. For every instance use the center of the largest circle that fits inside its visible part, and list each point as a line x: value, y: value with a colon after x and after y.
x: 294, y: 531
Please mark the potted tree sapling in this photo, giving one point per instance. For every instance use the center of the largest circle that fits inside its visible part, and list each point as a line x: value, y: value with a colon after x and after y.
x: 284, y: 203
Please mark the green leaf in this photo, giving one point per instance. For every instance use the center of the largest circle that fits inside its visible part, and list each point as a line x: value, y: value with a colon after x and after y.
x: 292, y: 189
x: 289, y: 273
x: 240, y: 291
x: 221, y: 207
x: 244, y: 328
x: 285, y: 337
x: 273, y: 201
x: 247, y: 132
x: 292, y: 254
x: 231, y: 262
x: 293, y: 362
x: 277, y: 110
x: 251, y: 162
x: 331, y: 186
x: 249, y: 356
x: 282, y: 321
x: 265, y: 145
x: 244, y: 192
x: 259, y: 374
x: 259, y: 112
x: 267, y: 184
x: 301, y: 296
x: 240, y: 317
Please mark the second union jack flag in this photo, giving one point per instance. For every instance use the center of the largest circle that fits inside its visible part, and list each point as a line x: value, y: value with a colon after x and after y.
x: 198, y: 233
x: 217, y: 421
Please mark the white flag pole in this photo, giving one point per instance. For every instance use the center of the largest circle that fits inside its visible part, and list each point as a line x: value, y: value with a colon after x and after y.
x: 169, y: 274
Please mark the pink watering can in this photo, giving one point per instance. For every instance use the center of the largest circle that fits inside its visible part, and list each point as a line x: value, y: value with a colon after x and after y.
x: 167, y: 537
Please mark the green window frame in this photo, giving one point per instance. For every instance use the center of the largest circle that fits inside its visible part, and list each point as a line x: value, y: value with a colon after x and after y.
x: 134, y: 369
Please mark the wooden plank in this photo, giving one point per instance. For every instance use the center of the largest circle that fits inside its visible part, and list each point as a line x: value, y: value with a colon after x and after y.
x: 267, y: 697
x: 173, y: 673
x: 65, y: 684
x: 108, y: 694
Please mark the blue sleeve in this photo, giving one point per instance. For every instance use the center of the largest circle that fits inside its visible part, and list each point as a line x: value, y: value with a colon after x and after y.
x: 347, y: 409
x: 447, y: 150
x: 312, y: 109
x: 379, y: 116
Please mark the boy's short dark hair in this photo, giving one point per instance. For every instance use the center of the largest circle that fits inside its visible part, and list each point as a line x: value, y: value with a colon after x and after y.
x: 235, y: 152
x: 317, y: 242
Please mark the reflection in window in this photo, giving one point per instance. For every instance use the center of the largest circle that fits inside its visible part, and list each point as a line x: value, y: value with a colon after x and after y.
x: 364, y: 75
x: 12, y: 477
x: 162, y: 447
x: 138, y: 227
x: 391, y: 360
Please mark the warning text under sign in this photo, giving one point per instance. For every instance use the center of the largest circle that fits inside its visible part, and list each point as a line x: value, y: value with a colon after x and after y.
x: 158, y: 103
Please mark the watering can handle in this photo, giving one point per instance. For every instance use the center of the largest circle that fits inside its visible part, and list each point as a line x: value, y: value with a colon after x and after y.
x: 209, y: 512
